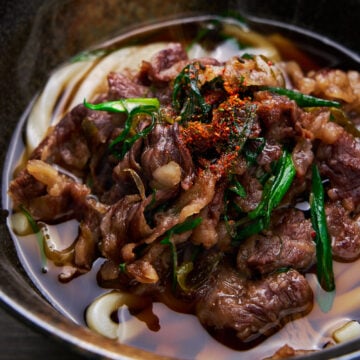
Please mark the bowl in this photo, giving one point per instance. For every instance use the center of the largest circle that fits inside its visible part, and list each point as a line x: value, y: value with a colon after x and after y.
x: 37, y: 36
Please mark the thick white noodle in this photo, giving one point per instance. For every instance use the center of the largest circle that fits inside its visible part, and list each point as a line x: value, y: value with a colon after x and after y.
x: 348, y: 331
x: 98, y: 317
x: 89, y: 78
x: 258, y: 43
x: 41, y: 114
x: 126, y: 59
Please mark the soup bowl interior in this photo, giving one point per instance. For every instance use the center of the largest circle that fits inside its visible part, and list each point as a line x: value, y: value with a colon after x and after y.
x: 39, y: 35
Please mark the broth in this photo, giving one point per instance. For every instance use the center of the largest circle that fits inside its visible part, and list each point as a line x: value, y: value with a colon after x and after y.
x: 179, y: 334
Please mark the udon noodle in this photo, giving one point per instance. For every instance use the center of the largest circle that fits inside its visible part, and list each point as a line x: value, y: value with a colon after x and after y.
x: 209, y: 183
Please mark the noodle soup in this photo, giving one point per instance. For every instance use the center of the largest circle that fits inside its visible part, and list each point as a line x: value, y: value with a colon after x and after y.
x: 164, y: 323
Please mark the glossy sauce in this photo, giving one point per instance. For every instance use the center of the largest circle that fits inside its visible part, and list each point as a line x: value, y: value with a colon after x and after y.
x: 178, y: 334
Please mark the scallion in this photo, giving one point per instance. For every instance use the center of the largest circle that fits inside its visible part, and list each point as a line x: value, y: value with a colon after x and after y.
x: 132, y: 107
x: 323, y: 245
x: 301, y: 99
x: 185, y: 226
x: 252, y: 149
x: 126, y: 105
x: 339, y: 117
x: 275, y: 188
x: 237, y: 188
x: 186, y: 96
x: 39, y: 237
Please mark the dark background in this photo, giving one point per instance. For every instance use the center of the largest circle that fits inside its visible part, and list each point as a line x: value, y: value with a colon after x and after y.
x: 21, y: 342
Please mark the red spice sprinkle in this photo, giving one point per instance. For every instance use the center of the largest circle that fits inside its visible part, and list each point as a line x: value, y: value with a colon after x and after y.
x: 198, y: 135
x: 224, y: 164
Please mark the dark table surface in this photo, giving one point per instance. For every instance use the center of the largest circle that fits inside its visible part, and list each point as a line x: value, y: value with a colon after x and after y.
x: 21, y: 342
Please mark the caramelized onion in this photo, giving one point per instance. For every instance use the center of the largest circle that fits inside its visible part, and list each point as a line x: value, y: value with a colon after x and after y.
x: 198, y: 196
x: 143, y: 272
x: 59, y: 257
x: 167, y: 176
x: 42, y: 172
x: 138, y: 182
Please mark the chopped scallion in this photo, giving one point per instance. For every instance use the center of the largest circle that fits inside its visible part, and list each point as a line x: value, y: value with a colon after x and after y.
x: 275, y: 188
x: 323, y: 245
x: 187, y: 225
x: 301, y: 99
x: 187, y: 97
x: 132, y: 107
x: 39, y: 237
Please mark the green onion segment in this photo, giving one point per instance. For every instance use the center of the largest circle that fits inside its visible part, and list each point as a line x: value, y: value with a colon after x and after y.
x: 132, y: 107
x: 301, y: 99
x: 187, y: 225
x: 323, y: 245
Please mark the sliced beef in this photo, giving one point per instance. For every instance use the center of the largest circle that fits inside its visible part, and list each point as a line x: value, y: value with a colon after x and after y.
x: 114, y: 226
x: 286, y: 122
x: 24, y: 187
x: 98, y: 127
x: 229, y: 302
x: 126, y: 222
x: 269, y: 154
x: 85, y: 246
x: 64, y: 198
x: 165, y: 65
x: 279, y: 115
x: 198, y: 137
x: 109, y: 275
x: 188, y: 203
x: 233, y: 121
x: 139, y: 226
x: 113, y: 177
x: 86, y: 249
x: 181, y: 171
x: 288, y: 243
x: 253, y: 190
x: 152, y: 268
x: 163, y: 145
x: 49, y: 195
x: 302, y: 156
x: 66, y: 145
x: 340, y: 162
x: 334, y: 84
x: 121, y: 86
x: 148, y: 274
x: 344, y: 231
